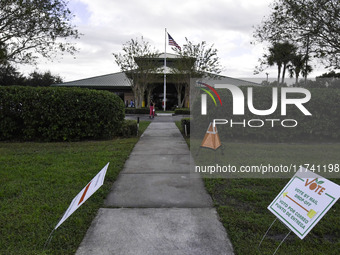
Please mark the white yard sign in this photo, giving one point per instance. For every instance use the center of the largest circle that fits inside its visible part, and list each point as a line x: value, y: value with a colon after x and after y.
x: 83, y: 195
x: 304, y: 201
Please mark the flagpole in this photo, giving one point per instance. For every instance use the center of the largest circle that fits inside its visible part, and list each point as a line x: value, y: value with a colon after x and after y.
x: 164, y: 96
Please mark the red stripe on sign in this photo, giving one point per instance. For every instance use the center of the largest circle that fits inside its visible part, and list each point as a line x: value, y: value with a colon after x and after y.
x: 83, y: 196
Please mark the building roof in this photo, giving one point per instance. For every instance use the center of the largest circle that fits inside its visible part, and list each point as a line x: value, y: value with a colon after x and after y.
x: 120, y: 81
x: 220, y: 79
x: 108, y: 81
x: 169, y: 55
x: 162, y: 56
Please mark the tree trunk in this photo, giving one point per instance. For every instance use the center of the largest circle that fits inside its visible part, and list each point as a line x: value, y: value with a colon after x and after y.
x: 137, y: 99
x: 278, y: 74
x: 135, y: 94
x: 284, y: 73
x: 139, y: 91
x: 179, y: 88
x: 296, y: 77
x: 185, y: 101
x: 141, y: 97
x: 179, y: 100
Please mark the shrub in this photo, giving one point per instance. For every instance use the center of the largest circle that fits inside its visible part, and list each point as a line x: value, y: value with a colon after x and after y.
x: 58, y: 114
x: 129, y: 128
x: 182, y: 111
x: 137, y: 110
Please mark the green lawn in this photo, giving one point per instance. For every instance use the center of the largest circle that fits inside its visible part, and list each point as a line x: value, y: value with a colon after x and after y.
x: 39, y: 180
x: 242, y: 203
x: 242, y: 207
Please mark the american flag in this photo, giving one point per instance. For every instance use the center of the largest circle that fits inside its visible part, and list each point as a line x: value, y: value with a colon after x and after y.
x: 173, y: 43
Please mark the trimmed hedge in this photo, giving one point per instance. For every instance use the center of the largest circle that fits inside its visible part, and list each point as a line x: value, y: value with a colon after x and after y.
x: 129, y: 128
x: 182, y: 111
x: 137, y: 110
x: 58, y: 114
x: 323, y: 125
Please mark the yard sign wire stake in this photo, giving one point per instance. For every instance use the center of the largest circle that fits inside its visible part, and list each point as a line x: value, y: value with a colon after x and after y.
x: 49, y: 239
x: 281, y: 242
x: 258, y: 247
x: 277, y: 248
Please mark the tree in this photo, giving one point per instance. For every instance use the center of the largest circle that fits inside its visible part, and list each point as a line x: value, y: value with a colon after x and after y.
x: 298, y: 65
x: 37, y: 79
x: 29, y: 28
x: 274, y: 58
x: 331, y: 74
x: 10, y: 76
x: 313, y: 25
x: 137, y: 62
x: 195, y: 61
x: 182, y: 70
x: 331, y: 79
x: 279, y: 54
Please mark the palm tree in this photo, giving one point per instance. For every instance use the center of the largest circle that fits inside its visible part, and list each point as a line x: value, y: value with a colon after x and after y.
x: 297, y: 66
x: 281, y: 54
x: 273, y: 59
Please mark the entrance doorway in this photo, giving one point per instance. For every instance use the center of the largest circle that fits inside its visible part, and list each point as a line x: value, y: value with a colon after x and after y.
x: 171, y: 97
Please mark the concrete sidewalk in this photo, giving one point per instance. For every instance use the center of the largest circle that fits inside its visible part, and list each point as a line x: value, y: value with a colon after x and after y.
x: 155, y: 206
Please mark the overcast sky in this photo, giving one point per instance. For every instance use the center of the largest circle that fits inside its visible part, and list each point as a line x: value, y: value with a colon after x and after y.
x: 107, y: 24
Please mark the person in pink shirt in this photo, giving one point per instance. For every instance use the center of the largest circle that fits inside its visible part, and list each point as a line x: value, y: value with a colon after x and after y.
x: 152, y: 110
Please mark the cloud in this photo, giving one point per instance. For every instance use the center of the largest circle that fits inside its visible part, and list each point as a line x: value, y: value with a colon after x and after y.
x: 106, y: 25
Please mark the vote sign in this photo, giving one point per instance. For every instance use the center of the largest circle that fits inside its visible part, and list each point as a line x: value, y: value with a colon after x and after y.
x: 304, y: 201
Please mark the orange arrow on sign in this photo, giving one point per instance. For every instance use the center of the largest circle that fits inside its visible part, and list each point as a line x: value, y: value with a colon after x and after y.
x: 83, y: 196
x: 286, y: 195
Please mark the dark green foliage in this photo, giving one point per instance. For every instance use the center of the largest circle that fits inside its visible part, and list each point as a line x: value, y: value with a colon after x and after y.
x: 129, y: 128
x: 58, y: 114
x: 39, y: 79
x: 331, y: 74
x: 137, y: 110
x: 180, y: 111
x: 10, y: 76
x: 323, y: 125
